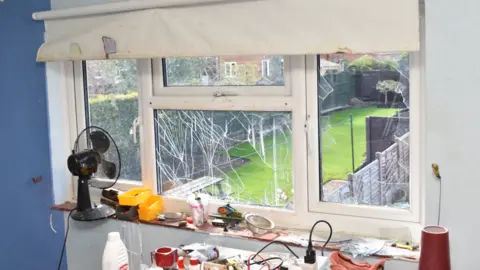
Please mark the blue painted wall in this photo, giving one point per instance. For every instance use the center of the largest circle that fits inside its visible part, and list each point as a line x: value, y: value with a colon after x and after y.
x: 27, y: 242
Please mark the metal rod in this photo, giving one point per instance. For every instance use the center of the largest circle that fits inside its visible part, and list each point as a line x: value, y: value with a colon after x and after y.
x: 352, y: 143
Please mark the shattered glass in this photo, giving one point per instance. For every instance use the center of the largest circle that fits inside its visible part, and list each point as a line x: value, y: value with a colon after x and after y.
x: 364, y: 128
x: 235, y: 156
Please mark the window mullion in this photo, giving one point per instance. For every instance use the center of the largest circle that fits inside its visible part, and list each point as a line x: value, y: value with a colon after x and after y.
x: 147, y: 132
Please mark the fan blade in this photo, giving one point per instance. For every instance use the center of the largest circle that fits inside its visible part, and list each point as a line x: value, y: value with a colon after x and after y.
x: 100, y: 141
x: 109, y: 168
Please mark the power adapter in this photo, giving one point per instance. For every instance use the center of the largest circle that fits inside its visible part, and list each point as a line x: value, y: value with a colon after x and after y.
x: 321, y: 263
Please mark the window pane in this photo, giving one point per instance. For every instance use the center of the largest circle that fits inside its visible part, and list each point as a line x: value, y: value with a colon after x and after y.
x: 241, y: 157
x: 113, y: 105
x: 364, y: 126
x: 219, y: 71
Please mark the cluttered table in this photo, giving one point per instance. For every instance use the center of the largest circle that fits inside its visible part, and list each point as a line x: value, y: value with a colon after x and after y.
x: 346, y: 244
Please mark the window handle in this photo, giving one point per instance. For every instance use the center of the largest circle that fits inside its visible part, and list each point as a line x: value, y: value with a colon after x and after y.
x: 136, y: 122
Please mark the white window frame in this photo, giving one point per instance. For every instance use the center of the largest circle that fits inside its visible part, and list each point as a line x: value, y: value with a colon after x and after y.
x: 296, y: 96
x: 79, y: 96
x: 203, y: 90
x: 266, y: 70
x: 409, y: 215
x: 248, y: 98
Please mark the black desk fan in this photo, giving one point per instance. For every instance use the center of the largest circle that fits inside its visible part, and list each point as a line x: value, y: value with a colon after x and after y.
x: 99, y: 160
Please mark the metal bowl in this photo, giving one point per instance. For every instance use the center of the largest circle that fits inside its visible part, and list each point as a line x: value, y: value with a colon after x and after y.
x: 258, y: 224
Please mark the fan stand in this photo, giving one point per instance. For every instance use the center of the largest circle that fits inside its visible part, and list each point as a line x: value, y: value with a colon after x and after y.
x: 84, y: 210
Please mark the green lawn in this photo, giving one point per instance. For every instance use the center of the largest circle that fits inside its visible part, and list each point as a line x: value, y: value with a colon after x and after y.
x: 257, y: 176
x: 336, y: 142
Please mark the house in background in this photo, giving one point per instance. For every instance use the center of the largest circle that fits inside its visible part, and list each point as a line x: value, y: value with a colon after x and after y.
x: 252, y: 70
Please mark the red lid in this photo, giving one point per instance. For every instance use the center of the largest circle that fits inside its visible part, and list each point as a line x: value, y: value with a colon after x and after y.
x: 180, y: 263
x: 190, y: 220
x: 193, y: 261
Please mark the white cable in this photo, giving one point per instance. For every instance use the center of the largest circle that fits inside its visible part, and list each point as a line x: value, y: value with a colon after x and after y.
x: 51, y: 224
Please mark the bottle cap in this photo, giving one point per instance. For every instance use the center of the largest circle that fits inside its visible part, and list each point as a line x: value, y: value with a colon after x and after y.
x: 113, y: 236
x: 194, y: 261
x: 190, y: 220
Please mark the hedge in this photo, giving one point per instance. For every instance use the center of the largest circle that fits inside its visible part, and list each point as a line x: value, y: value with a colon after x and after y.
x: 115, y: 114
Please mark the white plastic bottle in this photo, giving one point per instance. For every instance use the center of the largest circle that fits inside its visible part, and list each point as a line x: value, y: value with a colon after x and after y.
x: 115, y: 256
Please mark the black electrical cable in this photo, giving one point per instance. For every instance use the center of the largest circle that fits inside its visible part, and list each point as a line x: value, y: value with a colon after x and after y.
x: 310, y: 257
x: 266, y: 260
x: 270, y: 259
x: 277, y: 242
x: 329, y: 236
x: 65, y: 240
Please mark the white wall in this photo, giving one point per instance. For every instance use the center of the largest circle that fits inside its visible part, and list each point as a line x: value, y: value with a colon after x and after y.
x: 452, y: 126
x: 86, y: 241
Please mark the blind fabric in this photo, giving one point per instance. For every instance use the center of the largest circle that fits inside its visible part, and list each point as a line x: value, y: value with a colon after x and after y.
x: 252, y: 27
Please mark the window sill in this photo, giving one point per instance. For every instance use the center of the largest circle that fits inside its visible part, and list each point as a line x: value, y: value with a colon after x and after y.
x: 386, y: 252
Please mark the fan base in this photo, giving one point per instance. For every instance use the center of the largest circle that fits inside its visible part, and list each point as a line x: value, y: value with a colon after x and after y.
x: 98, y: 212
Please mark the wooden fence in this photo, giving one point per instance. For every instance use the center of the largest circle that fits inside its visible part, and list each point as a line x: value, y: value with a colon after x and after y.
x: 382, y: 182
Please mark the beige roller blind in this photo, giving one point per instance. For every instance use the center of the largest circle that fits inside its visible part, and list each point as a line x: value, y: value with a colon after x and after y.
x: 220, y: 28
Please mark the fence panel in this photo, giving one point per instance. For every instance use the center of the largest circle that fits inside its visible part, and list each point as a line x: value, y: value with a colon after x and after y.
x: 336, y: 89
x: 366, y: 184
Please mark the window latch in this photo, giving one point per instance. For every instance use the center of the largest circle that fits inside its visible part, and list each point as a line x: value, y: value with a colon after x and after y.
x: 133, y: 131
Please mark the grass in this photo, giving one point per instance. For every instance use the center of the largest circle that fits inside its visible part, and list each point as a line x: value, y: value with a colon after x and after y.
x: 257, y: 176
x: 336, y: 142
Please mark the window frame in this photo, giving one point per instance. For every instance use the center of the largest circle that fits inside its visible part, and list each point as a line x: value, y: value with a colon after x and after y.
x: 416, y: 153
x: 80, y: 98
x: 160, y: 89
x: 266, y: 70
x: 300, y: 73
x: 162, y: 98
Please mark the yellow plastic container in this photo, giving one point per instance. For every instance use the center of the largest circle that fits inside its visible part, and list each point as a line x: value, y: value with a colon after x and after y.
x: 150, y: 209
x: 134, y: 196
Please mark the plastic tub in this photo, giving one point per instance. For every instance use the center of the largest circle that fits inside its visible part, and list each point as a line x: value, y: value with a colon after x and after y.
x: 150, y: 209
x: 134, y: 196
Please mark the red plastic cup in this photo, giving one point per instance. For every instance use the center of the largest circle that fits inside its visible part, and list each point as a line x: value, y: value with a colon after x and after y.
x: 165, y: 257
x: 435, y: 249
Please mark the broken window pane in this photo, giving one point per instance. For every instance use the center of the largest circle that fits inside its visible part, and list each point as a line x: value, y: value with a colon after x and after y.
x: 235, y: 156
x: 111, y: 89
x: 225, y: 70
x: 364, y: 128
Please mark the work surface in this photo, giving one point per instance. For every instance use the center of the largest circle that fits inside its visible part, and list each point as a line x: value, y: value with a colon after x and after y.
x: 86, y: 241
x: 347, y: 244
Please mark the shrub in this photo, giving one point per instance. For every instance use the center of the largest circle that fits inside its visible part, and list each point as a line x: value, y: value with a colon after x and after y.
x: 115, y: 113
x: 369, y: 63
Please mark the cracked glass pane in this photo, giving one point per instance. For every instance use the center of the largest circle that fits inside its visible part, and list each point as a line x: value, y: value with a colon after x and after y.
x: 111, y: 89
x: 235, y: 156
x: 364, y: 128
x: 224, y: 71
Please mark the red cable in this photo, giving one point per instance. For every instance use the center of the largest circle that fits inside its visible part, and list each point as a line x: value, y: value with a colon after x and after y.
x: 262, y: 259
